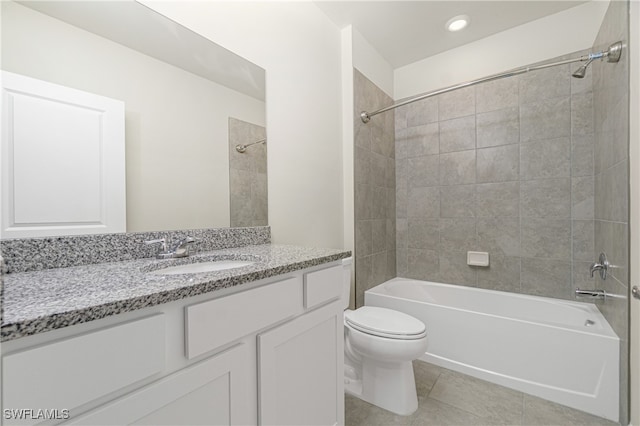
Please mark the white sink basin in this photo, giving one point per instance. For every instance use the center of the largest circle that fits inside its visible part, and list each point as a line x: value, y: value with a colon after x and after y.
x: 195, y: 268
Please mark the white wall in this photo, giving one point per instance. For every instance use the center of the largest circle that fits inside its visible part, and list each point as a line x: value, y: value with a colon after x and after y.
x: 555, y: 35
x: 370, y: 63
x: 176, y: 122
x: 299, y: 48
x: 348, y: 148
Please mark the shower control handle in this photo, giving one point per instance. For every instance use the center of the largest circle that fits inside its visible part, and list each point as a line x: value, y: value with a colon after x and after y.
x: 602, y: 266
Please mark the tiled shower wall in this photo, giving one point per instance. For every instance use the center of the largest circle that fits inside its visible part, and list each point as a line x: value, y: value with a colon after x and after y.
x: 375, y: 191
x: 247, y: 175
x: 611, y: 124
x: 504, y: 167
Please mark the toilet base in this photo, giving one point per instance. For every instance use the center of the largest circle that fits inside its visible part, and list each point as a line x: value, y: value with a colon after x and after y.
x: 387, y: 385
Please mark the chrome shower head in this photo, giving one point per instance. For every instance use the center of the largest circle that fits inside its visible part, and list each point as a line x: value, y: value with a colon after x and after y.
x: 580, y: 72
x: 612, y: 54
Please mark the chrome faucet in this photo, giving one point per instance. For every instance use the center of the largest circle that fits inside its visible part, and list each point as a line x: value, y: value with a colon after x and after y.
x: 591, y: 294
x: 602, y: 265
x: 180, y: 249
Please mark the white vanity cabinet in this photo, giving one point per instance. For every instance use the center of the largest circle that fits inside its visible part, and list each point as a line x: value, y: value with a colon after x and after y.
x: 210, y: 392
x: 268, y: 352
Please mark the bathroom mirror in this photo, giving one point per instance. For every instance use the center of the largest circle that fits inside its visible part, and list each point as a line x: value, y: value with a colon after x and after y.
x: 181, y: 91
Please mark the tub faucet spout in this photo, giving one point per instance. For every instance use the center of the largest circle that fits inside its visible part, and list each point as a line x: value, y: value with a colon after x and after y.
x: 591, y: 294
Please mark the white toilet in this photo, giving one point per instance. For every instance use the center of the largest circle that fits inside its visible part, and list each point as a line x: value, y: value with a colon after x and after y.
x: 379, y: 347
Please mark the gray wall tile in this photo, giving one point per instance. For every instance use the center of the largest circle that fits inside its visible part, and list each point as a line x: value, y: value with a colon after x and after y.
x: 423, y: 202
x: 459, y: 103
x: 423, y: 233
x: 402, y: 236
x: 458, y: 134
x: 423, y: 140
x: 379, y: 268
x: 497, y: 94
x: 581, y: 277
x: 546, y: 119
x: 378, y: 235
x: 583, y: 234
x: 377, y: 173
x: 457, y: 168
x: 379, y: 205
x: 423, y: 171
x: 364, y: 277
x: 498, y: 164
x: 612, y: 238
x: 422, y: 112
x: 499, y: 236
x: 400, y: 118
x: 458, y: 201
x: 582, y: 197
x: 381, y: 184
x: 457, y: 235
x: 498, y: 199
x: 423, y: 265
x: 545, y: 159
x: 546, y: 238
x: 582, y: 155
x: 611, y: 197
x: 544, y: 277
x: 503, y: 274
x: 546, y: 198
x: 402, y: 262
x: 364, y: 238
x: 500, y: 127
x: 612, y: 200
x: 544, y: 84
x: 582, y: 114
x: 362, y: 166
x: 454, y: 269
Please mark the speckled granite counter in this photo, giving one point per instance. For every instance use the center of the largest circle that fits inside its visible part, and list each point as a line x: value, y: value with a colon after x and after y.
x: 39, y: 301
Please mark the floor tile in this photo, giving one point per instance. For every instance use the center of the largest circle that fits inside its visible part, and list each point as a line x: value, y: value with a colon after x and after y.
x: 431, y: 413
x: 448, y: 398
x: 493, y: 403
x: 541, y: 412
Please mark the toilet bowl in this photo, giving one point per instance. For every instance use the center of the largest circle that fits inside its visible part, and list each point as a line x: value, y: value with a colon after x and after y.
x: 380, y: 345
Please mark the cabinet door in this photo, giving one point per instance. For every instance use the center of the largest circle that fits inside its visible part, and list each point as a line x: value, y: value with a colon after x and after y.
x: 211, y: 392
x: 300, y: 370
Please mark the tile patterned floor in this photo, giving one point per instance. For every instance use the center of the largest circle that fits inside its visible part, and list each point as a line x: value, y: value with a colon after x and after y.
x: 446, y: 397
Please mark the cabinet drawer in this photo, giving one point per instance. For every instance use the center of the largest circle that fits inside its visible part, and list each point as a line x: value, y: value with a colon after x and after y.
x: 322, y: 286
x: 71, y: 372
x: 217, y: 322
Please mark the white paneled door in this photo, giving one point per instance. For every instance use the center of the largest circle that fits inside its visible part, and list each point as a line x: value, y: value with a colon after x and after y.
x: 63, y: 160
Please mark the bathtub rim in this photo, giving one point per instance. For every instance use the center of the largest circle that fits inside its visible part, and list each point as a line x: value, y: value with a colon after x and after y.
x: 605, y: 332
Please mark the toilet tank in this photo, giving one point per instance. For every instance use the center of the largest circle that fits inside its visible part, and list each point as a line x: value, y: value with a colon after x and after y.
x: 346, y: 281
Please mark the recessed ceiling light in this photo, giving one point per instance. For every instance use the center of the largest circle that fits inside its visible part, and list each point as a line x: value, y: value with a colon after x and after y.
x: 457, y: 23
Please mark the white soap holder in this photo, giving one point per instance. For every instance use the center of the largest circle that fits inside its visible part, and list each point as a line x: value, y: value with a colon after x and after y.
x: 477, y: 258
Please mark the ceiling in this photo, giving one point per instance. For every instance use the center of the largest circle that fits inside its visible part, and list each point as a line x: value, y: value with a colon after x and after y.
x: 404, y: 32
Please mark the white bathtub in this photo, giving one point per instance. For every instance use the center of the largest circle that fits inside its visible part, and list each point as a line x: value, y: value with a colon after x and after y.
x: 536, y: 345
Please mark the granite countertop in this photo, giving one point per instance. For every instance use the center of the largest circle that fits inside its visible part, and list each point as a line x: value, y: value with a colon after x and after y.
x: 39, y: 301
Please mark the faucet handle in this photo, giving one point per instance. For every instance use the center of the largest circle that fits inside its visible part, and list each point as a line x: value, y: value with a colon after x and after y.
x: 161, y: 241
x: 181, y: 248
x: 602, y: 266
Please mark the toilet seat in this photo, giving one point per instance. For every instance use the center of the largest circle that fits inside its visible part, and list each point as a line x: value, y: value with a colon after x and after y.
x: 384, y: 322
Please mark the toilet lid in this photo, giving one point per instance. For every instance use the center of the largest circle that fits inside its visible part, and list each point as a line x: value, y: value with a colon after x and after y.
x: 385, y: 322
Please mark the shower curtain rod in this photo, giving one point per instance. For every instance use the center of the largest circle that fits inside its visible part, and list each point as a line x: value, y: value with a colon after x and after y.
x: 612, y: 54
